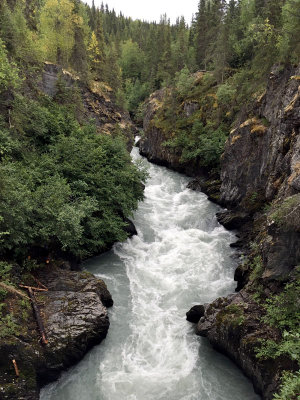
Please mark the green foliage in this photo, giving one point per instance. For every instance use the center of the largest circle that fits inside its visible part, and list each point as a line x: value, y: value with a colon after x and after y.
x: 70, y: 189
x: 282, y: 311
x: 9, y: 78
x: 8, y: 326
x: 184, y: 82
x: 9, y: 145
x: 5, y: 270
x: 132, y: 60
x: 57, y: 30
x: 231, y: 315
x: 226, y: 93
x: 287, y: 214
x: 288, y: 40
x: 135, y: 94
x: 290, y: 387
x: 256, y: 267
x: 204, y: 144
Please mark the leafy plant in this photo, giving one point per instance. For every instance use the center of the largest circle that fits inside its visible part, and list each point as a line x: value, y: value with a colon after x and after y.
x: 282, y: 311
x: 290, y: 387
x: 287, y: 214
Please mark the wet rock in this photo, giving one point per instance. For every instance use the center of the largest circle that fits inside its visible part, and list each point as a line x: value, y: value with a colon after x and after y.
x: 241, y: 276
x: 195, y: 313
x: 281, y: 252
x: 69, y: 281
x: 237, y: 245
x: 233, y: 219
x: 130, y: 229
x: 210, y: 185
x: 74, y: 322
x: 152, y: 144
x: 74, y: 318
x: 262, y: 157
x: 196, y: 184
x: 233, y: 326
x: 137, y: 143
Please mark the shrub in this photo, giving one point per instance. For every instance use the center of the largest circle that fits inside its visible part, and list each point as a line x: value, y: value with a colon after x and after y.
x: 290, y: 387
x: 287, y: 214
x: 70, y: 188
x: 226, y: 93
x: 203, y: 143
x: 282, y: 311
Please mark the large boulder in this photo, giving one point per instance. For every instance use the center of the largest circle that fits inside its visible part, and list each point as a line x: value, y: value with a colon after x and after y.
x: 233, y: 219
x: 75, y: 318
x: 74, y: 322
x: 195, y: 313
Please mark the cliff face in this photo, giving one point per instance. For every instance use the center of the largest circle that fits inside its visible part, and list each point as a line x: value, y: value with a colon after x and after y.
x: 152, y: 142
x: 260, y: 166
x: 260, y: 184
x: 262, y: 155
x: 96, y: 99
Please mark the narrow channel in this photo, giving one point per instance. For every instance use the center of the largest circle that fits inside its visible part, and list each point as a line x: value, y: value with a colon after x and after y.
x: 180, y: 257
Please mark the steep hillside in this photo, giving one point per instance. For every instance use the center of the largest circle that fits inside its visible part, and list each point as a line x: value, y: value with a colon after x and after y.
x: 97, y: 102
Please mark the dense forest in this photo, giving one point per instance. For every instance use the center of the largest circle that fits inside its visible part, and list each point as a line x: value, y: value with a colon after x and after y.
x: 66, y: 190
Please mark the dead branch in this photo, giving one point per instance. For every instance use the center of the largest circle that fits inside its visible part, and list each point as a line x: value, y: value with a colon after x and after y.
x: 16, y: 368
x: 11, y: 289
x: 34, y: 288
x: 39, y: 283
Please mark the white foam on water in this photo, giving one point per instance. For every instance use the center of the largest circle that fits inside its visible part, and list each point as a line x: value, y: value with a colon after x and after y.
x: 180, y: 257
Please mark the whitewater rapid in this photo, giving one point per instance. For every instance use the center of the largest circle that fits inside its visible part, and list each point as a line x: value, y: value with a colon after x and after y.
x: 180, y: 257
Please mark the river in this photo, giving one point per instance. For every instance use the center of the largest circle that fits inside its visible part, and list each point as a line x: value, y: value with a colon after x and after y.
x: 180, y: 257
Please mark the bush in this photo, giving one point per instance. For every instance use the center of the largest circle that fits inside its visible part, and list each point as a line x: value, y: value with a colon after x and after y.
x: 205, y: 144
x: 9, y: 78
x: 282, y: 311
x: 184, y: 82
x: 226, y: 93
x: 69, y: 189
x: 287, y: 214
x: 290, y: 387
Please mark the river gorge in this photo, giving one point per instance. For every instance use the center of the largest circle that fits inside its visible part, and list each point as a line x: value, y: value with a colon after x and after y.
x: 180, y: 257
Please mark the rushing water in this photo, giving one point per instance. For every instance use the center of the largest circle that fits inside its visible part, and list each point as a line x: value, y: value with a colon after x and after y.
x: 180, y: 257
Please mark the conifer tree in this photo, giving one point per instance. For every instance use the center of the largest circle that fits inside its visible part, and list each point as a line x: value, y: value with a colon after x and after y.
x: 79, y: 52
x: 164, y: 71
x: 99, y: 32
x: 201, y: 26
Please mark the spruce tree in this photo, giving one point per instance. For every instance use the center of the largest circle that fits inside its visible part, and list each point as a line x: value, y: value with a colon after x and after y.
x: 79, y: 52
x: 201, y: 34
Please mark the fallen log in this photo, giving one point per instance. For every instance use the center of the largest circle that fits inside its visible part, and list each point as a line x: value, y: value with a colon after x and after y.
x: 37, y: 314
